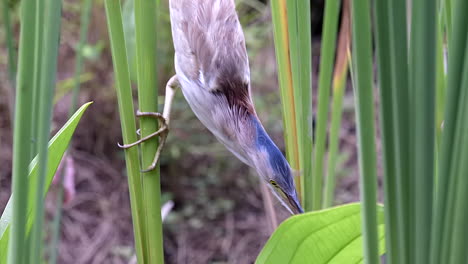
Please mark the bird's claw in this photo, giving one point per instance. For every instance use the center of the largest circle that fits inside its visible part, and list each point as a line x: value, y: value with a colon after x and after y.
x: 161, y: 132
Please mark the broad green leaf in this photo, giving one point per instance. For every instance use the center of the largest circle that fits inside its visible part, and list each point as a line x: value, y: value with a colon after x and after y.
x: 57, y: 147
x: 329, y: 236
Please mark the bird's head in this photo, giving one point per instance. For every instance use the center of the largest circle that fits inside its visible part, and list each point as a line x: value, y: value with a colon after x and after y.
x: 274, y: 169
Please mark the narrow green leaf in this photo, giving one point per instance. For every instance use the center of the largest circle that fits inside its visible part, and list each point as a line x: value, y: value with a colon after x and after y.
x: 329, y: 236
x: 9, y: 43
x: 57, y: 147
x: 48, y: 69
x: 423, y: 51
x: 146, y: 13
x: 281, y: 38
x: 339, y: 87
x: 300, y: 45
x: 387, y: 121
x: 22, y: 148
x: 126, y: 112
x: 327, y: 58
x: 446, y: 182
x: 364, y: 98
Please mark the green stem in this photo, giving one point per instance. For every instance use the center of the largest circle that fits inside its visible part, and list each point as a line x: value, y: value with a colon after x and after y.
x: 145, y: 23
x: 362, y: 57
x: 339, y: 87
x: 445, y: 181
x: 52, y: 19
x: 9, y: 43
x: 298, y: 14
x: 22, y: 135
x: 388, y: 136
x: 423, y: 50
x: 327, y: 57
x: 126, y: 111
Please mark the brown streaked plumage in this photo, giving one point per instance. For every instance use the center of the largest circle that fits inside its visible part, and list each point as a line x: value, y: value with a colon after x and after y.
x: 212, y: 69
x: 209, y: 44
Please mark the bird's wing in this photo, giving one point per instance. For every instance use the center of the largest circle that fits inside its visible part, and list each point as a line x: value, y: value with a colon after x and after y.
x: 210, y: 47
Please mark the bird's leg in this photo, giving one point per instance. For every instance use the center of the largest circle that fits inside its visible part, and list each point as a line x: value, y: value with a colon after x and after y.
x: 163, y: 118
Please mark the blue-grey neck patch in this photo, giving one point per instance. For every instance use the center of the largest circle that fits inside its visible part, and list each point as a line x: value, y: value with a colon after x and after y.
x: 277, y: 161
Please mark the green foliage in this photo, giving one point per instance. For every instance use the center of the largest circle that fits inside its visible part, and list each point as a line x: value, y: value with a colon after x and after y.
x: 328, y: 236
x: 126, y: 111
x: 144, y: 187
x: 57, y: 147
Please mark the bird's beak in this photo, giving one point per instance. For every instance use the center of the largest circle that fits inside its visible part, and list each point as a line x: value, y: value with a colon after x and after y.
x: 294, y: 204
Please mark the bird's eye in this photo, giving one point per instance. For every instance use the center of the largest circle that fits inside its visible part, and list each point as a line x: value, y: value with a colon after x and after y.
x: 272, y: 182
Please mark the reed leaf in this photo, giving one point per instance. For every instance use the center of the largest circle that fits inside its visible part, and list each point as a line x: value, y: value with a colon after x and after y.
x: 145, y: 22
x: 327, y: 57
x: 446, y: 181
x: 362, y: 61
x: 423, y: 51
x: 126, y: 112
x: 339, y: 87
x: 381, y: 17
x: 285, y: 76
x: 57, y: 147
x: 48, y: 70
x: 22, y: 134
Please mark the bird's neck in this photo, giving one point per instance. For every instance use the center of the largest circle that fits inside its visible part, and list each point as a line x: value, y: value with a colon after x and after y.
x: 263, y: 142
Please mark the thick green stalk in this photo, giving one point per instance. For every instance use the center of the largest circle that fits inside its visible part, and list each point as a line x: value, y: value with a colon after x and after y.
x: 22, y: 135
x: 145, y: 22
x: 454, y: 75
x: 423, y: 50
x: 298, y: 14
x: 327, y: 56
x: 126, y: 111
x: 52, y: 19
x: 339, y: 87
x: 388, y: 136
x: 362, y: 60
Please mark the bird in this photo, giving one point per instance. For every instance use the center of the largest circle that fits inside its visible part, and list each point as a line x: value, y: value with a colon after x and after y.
x: 212, y: 70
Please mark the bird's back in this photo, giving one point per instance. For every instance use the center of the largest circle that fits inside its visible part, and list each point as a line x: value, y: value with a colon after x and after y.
x: 210, y: 46
x: 212, y: 67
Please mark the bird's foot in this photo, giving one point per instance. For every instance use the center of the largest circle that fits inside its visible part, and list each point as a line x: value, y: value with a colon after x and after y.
x: 161, y: 132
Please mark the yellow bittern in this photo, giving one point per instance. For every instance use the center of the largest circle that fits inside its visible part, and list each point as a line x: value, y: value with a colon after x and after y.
x: 212, y: 69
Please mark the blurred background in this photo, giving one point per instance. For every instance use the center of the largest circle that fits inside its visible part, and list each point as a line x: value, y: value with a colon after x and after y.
x: 218, y: 214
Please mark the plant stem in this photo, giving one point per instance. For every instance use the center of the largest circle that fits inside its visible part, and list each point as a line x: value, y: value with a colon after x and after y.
x: 9, y: 44
x: 22, y: 135
x: 298, y: 15
x: 126, y: 111
x: 387, y: 127
x: 362, y: 57
x: 48, y: 71
x: 457, y: 44
x: 339, y: 87
x: 423, y: 50
x: 145, y: 22
x: 327, y: 56
x: 281, y: 38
